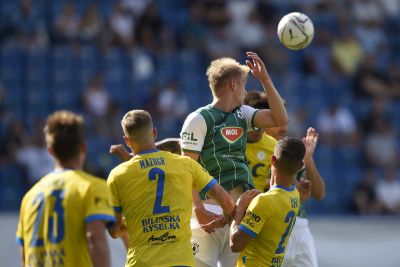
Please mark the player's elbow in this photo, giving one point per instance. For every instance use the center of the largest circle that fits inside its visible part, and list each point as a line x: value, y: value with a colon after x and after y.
x: 235, y: 247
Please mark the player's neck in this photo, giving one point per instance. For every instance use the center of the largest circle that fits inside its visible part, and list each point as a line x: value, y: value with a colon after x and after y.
x: 283, y: 181
x: 224, y: 105
x: 143, y: 147
x: 74, y: 164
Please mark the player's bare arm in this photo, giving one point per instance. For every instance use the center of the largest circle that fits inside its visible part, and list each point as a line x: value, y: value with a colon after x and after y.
x: 204, y: 217
x: 276, y: 115
x: 312, y: 173
x: 238, y: 238
x: 120, y: 151
x: 224, y: 199
x: 304, y: 188
x: 97, y: 243
x: 118, y: 229
x: 22, y: 253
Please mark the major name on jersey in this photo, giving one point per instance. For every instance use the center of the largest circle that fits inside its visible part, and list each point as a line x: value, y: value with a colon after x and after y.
x: 166, y: 222
x: 232, y: 134
x: 151, y: 162
x: 51, y: 257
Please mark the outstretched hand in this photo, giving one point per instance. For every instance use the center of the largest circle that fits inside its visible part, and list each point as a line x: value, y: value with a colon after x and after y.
x: 310, y: 142
x: 208, y: 220
x: 120, y: 151
x: 257, y: 66
x: 304, y: 188
x: 244, y: 200
x: 217, y: 222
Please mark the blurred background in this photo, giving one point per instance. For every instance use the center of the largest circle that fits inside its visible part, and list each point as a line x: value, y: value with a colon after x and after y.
x: 102, y: 58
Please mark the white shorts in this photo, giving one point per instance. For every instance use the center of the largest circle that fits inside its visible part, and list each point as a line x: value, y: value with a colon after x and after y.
x: 300, y: 249
x: 212, y: 250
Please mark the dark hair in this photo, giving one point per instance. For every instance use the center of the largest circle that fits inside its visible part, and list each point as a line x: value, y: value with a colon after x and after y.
x: 64, y: 134
x: 289, y: 152
x: 256, y: 100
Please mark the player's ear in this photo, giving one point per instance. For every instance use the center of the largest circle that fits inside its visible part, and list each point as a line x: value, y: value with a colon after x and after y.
x: 155, y: 133
x: 127, y: 142
x: 273, y: 160
x: 233, y: 84
x: 51, y: 152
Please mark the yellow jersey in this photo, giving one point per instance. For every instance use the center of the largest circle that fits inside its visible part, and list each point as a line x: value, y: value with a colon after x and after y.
x: 53, y: 216
x: 259, y: 156
x: 269, y: 219
x: 153, y: 190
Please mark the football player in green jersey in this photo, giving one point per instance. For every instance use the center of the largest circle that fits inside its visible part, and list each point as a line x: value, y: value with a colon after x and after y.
x: 215, y: 136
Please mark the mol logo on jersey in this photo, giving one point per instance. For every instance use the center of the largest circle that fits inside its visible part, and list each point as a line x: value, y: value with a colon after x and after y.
x: 232, y: 134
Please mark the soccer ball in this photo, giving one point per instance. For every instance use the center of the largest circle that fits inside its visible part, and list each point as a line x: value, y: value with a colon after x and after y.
x: 295, y: 31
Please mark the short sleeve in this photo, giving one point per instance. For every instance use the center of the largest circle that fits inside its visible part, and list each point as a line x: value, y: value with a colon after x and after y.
x: 193, y: 133
x: 249, y: 114
x: 202, y: 180
x: 115, y: 197
x: 20, y: 228
x: 98, y: 203
x: 258, y: 212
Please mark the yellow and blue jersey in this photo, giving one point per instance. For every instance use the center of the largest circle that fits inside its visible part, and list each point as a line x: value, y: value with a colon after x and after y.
x: 269, y: 219
x: 259, y: 156
x: 54, y: 214
x: 153, y: 190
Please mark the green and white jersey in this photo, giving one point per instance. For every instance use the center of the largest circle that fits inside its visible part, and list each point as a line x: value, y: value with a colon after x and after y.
x: 220, y: 138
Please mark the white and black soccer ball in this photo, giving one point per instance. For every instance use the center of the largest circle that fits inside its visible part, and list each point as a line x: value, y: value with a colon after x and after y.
x: 295, y: 31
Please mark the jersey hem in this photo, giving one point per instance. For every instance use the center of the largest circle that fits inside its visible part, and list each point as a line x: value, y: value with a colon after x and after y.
x: 19, y: 241
x: 252, y: 118
x: 209, y: 185
x: 100, y: 217
x: 247, y: 230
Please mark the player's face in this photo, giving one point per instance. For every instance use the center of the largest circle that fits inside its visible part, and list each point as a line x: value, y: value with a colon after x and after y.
x: 255, y: 136
x: 277, y: 132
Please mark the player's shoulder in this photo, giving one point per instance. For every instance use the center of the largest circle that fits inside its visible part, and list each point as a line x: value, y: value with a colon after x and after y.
x: 90, y: 180
x: 197, y: 115
x: 120, y: 170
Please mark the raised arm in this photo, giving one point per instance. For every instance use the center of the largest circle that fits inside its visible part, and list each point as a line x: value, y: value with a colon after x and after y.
x: 276, y: 115
x: 312, y: 173
x: 97, y: 243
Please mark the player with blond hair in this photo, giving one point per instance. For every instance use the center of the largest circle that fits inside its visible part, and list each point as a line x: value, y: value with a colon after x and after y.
x: 215, y: 136
x: 63, y: 216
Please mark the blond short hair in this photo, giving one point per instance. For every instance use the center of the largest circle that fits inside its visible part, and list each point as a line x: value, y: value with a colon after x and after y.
x: 222, y: 70
x: 64, y: 133
x: 137, y: 124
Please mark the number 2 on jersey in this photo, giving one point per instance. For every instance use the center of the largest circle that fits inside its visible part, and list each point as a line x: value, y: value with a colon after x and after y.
x: 290, y: 218
x: 158, y: 208
x: 58, y: 210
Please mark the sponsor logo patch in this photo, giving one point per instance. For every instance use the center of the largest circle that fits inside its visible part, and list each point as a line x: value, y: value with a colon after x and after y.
x: 232, y: 134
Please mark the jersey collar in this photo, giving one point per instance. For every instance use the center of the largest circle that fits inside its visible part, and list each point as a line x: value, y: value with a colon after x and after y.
x: 148, y: 151
x: 289, y: 189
